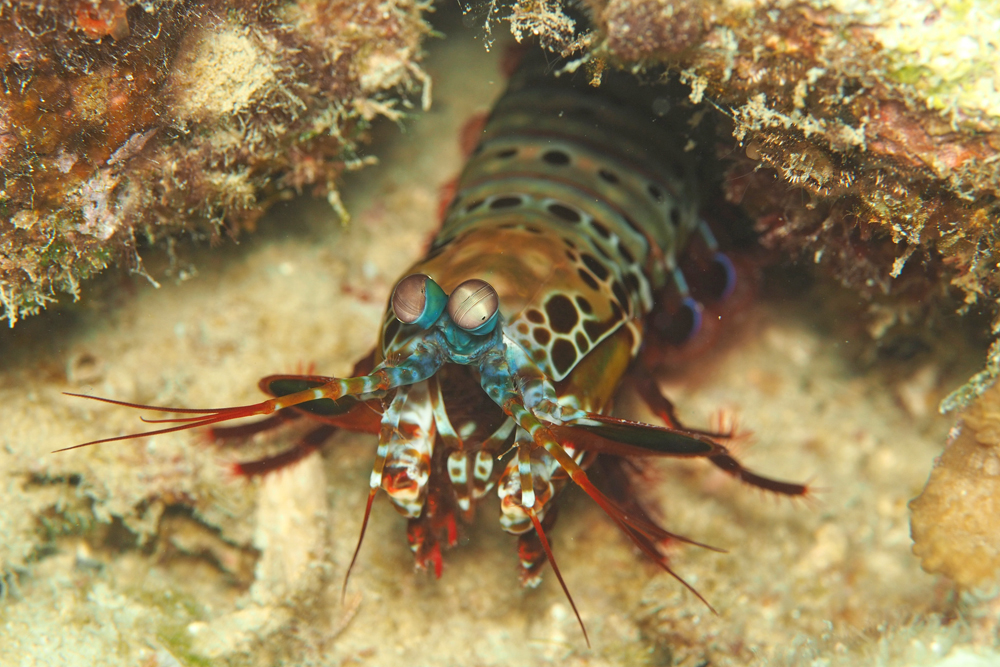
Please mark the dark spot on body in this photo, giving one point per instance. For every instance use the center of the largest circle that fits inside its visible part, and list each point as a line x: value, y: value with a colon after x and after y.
x: 562, y: 313
x: 535, y: 316
x: 522, y: 329
x: 556, y: 158
x: 675, y: 217
x: 505, y: 202
x: 634, y: 225
x: 608, y: 176
x: 586, y: 277
x: 600, y: 229
x: 595, y: 330
x: 541, y: 336
x: 655, y: 192
x: 596, y: 267
x: 625, y: 252
x: 619, y: 291
x: 531, y: 229
x: 631, y: 282
x: 572, y: 256
x: 473, y: 205
x: 564, y: 212
x: 582, y: 343
x: 584, y: 305
x: 563, y: 356
x: 506, y: 153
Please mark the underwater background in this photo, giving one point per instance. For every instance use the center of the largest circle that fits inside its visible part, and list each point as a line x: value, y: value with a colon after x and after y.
x: 152, y: 552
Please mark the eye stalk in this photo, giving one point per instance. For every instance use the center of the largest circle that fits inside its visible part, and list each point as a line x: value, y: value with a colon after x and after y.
x: 418, y: 300
x: 474, y: 306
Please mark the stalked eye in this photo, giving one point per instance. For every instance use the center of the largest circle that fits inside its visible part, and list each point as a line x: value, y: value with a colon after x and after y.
x: 418, y: 300
x: 474, y: 305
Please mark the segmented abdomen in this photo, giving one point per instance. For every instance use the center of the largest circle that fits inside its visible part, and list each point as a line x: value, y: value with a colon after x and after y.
x: 573, y: 207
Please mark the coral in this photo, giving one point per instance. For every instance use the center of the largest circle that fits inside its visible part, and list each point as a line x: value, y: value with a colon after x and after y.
x: 123, y: 119
x: 956, y: 520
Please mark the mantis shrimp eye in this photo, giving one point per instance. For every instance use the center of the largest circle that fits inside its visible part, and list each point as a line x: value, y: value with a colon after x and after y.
x: 474, y: 306
x: 418, y: 300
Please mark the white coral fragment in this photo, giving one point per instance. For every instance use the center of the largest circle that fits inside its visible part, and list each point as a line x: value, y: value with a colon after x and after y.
x: 221, y: 71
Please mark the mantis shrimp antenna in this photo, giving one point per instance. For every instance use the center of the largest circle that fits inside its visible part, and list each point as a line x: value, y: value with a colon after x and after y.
x: 413, y: 369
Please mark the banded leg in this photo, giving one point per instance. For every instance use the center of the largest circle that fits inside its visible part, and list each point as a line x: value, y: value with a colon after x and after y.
x: 499, y: 385
x: 427, y: 532
x: 483, y: 472
x: 527, y: 483
x: 346, y: 413
x: 390, y: 426
x: 458, y: 462
x: 280, y: 385
x: 530, y: 553
x: 422, y: 364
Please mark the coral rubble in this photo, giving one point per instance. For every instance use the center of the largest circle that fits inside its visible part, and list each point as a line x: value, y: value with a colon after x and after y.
x: 122, y: 119
x: 956, y: 520
x: 864, y: 111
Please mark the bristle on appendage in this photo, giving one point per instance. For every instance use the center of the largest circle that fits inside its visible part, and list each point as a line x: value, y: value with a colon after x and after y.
x: 243, y: 432
x: 204, y: 417
x: 555, y: 568
x: 380, y: 380
x: 633, y: 527
x: 643, y: 533
x: 361, y: 538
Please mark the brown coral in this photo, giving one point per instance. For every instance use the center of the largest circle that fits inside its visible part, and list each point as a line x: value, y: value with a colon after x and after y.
x: 640, y: 31
x: 859, y: 150
x: 122, y: 119
x: 956, y: 520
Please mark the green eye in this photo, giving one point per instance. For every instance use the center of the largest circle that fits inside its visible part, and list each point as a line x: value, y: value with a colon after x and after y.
x: 474, y: 306
x: 418, y: 300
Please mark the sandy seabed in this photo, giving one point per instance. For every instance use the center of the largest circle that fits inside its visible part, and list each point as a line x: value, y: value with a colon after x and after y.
x: 151, y: 552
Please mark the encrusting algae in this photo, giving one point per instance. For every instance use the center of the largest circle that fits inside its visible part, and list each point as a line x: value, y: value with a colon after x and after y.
x: 956, y: 520
x: 126, y: 122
